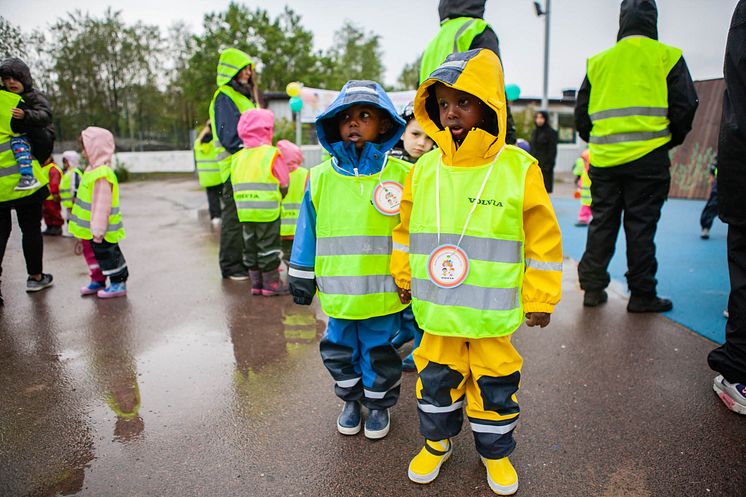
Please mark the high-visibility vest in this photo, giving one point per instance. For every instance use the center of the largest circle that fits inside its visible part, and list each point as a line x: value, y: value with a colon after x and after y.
x: 291, y: 202
x: 47, y: 169
x: 206, y: 159
x: 353, y: 243
x: 255, y: 189
x: 455, y: 35
x: 585, y: 188
x: 243, y: 104
x: 80, y: 218
x: 628, y: 103
x: 68, y: 185
x: 10, y: 171
x: 488, y: 303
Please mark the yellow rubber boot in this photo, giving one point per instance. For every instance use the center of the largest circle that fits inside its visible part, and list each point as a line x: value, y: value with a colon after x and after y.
x: 425, y: 466
x: 501, y: 476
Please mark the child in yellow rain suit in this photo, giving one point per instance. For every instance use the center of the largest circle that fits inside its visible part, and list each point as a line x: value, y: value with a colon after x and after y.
x: 477, y: 251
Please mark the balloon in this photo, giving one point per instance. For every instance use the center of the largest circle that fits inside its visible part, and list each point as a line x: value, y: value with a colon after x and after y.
x: 512, y: 92
x: 296, y: 104
x: 293, y: 89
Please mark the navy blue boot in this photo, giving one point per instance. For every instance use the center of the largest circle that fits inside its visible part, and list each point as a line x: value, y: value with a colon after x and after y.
x: 348, y: 422
x: 378, y: 423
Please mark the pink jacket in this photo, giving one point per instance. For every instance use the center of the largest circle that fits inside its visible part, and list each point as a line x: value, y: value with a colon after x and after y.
x: 291, y: 155
x: 98, y: 148
x: 255, y: 128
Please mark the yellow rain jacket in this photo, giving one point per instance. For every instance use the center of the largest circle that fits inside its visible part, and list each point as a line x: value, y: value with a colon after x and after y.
x: 541, y: 289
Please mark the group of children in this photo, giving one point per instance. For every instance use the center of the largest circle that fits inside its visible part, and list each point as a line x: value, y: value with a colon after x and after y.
x: 90, y: 196
x: 466, y: 236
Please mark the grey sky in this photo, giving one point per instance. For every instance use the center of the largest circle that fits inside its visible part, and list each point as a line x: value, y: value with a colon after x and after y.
x: 580, y: 28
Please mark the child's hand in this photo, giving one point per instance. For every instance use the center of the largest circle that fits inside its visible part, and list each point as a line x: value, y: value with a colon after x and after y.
x: 405, y: 296
x: 18, y: 113
x: 537, y: 318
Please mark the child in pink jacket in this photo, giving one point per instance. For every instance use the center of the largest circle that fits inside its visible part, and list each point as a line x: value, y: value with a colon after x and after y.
x: 98, y: 200
x: 292, y: 156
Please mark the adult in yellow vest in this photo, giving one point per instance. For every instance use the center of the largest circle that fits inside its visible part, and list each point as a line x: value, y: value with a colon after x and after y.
x: 236, y: 93
x: 462, y: 28
x: 208, y: 171
x: 27, y: 203
x: 636, y: 102
x: 52, y: 206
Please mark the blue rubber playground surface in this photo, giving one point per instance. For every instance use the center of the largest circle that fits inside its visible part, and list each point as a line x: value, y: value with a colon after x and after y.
x: 691, y: 272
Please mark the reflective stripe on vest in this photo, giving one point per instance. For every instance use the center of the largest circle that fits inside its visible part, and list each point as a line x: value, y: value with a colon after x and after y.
x: 585, y: 188
x: 255, y: 189
x: 68, y: 186
x: 9, y: 169
x: 488, y: 303
x: 80, y: 219
x: 353, y: 250
x: 292, y: 201
x: 243, y: 104
x: 208, y: 165
x: 628, y: 103
x: 455, y: 35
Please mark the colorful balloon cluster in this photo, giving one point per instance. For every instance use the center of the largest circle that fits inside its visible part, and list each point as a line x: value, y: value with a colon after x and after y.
x: 293, y: 91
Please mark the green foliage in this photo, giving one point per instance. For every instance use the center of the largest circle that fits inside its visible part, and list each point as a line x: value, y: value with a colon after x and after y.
x: 355, y: 55
x: 12, y: 41
x: 409, y: 77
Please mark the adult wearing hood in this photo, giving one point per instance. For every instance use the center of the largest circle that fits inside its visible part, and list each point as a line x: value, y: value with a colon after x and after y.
x: 636, y: 102
x: 729, y: 360
x: 544, y: 147
x: 237, y: 92
x: 462, y: 28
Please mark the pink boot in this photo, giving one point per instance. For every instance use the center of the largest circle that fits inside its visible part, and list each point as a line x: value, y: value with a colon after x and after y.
x: 271, y: 284
x: 256, y: 282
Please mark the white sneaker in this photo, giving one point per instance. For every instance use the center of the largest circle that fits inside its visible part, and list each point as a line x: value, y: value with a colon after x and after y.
x: 733, y: 395
x: 215, y: 221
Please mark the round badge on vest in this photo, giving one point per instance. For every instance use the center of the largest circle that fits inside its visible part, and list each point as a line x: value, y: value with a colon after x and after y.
x: 448, y: 266
x: 387, y: 198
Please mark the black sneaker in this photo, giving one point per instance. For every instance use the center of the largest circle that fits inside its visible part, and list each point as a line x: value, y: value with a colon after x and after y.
x: 33, y: 285
x: 593, y: 298
x: 26, y: 183
x: 52, y: 231
x: 648, y: 304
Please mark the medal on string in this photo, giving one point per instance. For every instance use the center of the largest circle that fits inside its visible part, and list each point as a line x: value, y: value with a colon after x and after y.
x: 448, y: 264
x: 387, y: 195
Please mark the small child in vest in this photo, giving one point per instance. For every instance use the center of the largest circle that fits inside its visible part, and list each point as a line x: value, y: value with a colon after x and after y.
x: 342, y: 248
x: 293, y: 158
x: 260, y: 180
x: 51, y: 209
x: 96, y: 218
x: 72, y: 174
x: 32, y: 119
x: 477, y: 251
x: 584, y: 190
x: 413, y: 144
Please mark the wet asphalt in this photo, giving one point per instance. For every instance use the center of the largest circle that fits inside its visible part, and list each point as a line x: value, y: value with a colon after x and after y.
x: 191, y: 387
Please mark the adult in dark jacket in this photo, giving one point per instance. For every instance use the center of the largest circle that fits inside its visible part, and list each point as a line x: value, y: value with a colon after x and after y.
x: 730, y: 359
x: 462, y: 28
x: 631, y: 117
x: 544, y: 147
x: 36, y: 123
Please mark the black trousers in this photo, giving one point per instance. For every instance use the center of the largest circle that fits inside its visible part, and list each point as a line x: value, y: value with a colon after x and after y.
x: 28, y: 210
x: 730, y: 358
x: 632, y: 194
x: 263, y: 245
x: 213, y: 200
x: 711, y: 208
x: 231, y: 235
x: 111, y: 260
x: 547, y: 173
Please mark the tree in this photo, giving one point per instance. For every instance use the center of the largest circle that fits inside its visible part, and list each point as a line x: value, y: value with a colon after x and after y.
x: 12, y: 41
x: 409, y: 78
x: 355, y: 55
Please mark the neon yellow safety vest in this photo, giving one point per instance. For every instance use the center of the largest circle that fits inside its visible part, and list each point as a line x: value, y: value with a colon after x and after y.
x: 80, y: 219
x: 585, y: 188
x: 243, y: 104
x: 455, y: 35
x: 68, y: 185
x: 291, y: 202
x: 628, y: 104
x: 353, y: 243
x: 208, y: 171
x: 46, y: 169
x: 255, y: 189
x: 9, y: 169
x: 488, y: 303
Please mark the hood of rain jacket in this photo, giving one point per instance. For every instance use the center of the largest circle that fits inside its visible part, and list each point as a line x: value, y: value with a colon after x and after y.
x: 99, y: 146
x: 372, y: 156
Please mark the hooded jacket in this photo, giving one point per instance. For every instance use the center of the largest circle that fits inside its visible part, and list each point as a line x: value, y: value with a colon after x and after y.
x: 255, y: 128
x: 345, y: 160
x: 544, y: 143
x: 291, y: 154
x: 732, y: 141
x: 543, y: 242
x: 37, y: 122
x: 640, y: 18
x: 98, y: 144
